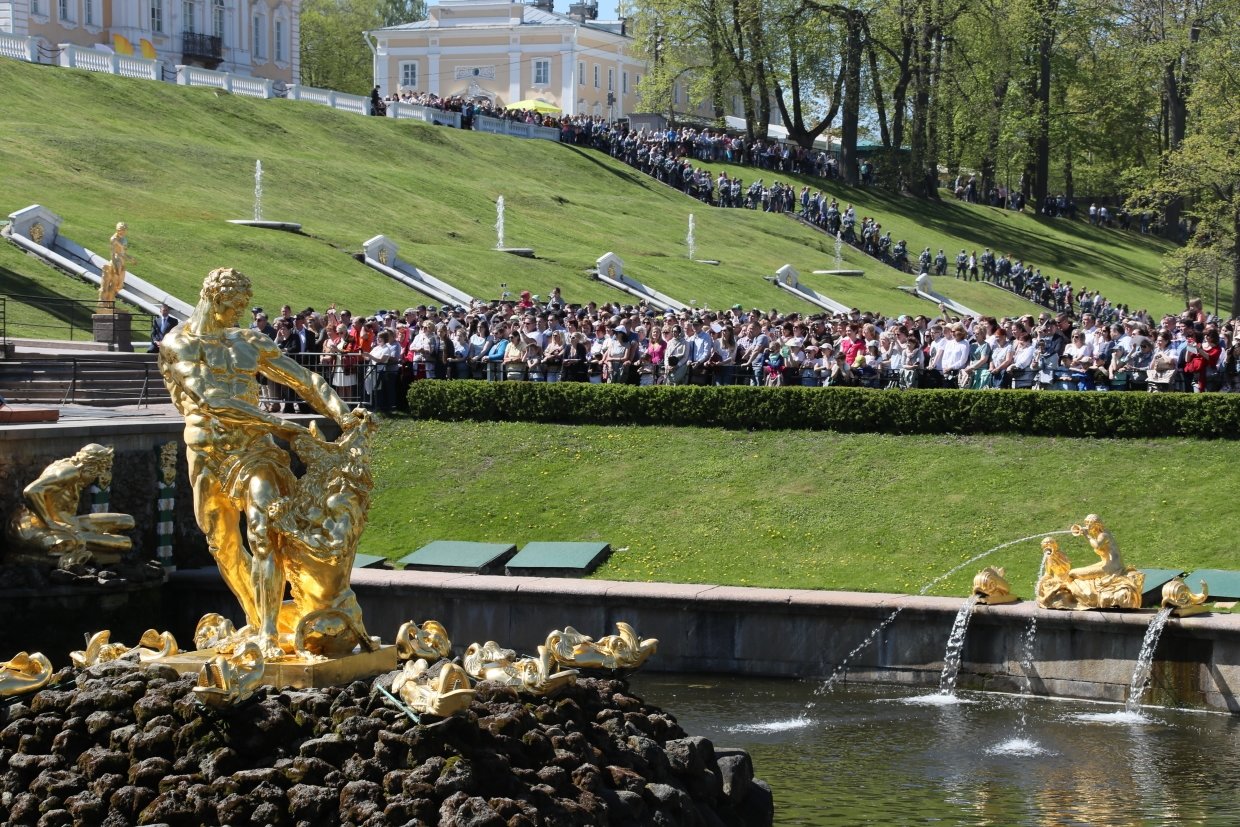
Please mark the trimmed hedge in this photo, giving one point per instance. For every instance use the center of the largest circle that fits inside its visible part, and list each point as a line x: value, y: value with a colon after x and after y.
x: 855, y: 410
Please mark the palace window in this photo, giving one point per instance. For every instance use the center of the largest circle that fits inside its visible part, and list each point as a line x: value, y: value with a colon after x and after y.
x: 542, y: 72
x: 409, y: 75
x: 157, y: 16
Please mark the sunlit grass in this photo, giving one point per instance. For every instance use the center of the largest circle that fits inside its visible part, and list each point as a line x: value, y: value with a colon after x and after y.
x: 796, y: 509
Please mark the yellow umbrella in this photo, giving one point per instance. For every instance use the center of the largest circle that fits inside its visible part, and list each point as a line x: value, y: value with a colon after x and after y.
x: 536, y: 105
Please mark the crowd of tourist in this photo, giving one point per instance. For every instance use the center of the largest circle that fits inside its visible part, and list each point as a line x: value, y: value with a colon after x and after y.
x: 372, y: 359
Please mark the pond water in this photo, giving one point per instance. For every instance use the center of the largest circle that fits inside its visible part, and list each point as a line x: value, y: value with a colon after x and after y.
x: 897, y: 755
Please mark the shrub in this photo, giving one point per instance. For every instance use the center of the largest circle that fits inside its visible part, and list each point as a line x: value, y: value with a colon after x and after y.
x: 856, y: 410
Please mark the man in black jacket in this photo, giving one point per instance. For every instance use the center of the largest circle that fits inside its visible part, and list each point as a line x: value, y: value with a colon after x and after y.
x: 160, y: 326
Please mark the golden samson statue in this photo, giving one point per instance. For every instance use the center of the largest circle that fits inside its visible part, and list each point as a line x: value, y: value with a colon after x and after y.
x: 298, y: 532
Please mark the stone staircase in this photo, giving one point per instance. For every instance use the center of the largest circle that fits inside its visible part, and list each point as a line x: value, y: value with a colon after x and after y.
x: 84, y: 378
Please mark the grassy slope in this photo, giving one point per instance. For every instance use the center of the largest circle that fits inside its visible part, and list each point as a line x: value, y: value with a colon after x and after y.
x: 175, y: 162
x: 805, y: 509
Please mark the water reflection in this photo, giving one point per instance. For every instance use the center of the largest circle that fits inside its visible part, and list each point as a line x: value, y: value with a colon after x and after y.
x: 860, y: 758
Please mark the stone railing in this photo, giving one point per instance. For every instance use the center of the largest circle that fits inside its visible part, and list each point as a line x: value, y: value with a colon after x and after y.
x: 517, y: 129
x: 110, y: 63
x: 249, y: 87
x: 19, y: 48
x: 357, y: 104
x: 426, y: 114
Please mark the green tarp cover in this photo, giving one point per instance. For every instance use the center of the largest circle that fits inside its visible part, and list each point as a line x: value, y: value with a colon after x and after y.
x: 368, y: 561
x: 1224, y: 585
x: 559, y: 559
x: 459, y: 555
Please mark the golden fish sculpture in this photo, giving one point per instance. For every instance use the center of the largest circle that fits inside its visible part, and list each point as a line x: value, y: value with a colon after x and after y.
x: 992, y: 588
x: 1177, y: 595
x: 429, y: 641
x: 622, y: 651
x: 534, y: 676
x: 443, y: 689
x: 24, y: 673
x: 99, y: 649
x: 226, y: 680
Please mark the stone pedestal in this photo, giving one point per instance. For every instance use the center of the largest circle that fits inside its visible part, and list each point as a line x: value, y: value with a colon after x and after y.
x: 115, y: 329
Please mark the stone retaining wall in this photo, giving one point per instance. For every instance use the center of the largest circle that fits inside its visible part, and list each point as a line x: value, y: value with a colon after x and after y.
x: 25, y: 450
x: 793, y: 633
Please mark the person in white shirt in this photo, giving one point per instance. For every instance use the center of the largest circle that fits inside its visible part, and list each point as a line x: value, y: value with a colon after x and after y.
x: 955, y: 354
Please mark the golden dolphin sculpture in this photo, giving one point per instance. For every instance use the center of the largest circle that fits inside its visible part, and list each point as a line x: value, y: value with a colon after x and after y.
x: 1177, y: 594
x: 620, y: 651
x: 230, y: 679
x: 992, y: 587
x: 535, y: 676
x: 24, y: 673
x: 99, y: 649
x: 442, y: 689
x: 429, y: 641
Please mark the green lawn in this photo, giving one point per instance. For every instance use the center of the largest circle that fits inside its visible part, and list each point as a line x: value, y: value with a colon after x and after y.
x: 805, y: 509
x: 176, y: 162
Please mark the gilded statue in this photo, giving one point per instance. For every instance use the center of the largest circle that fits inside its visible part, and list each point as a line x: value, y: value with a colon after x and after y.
x: 622, y: 651
x: 442, y: 689
x: 99, y: 649
x: 24, y: 673
x: 429, y: 641
x: 991, y: 587
x: 1177, y: 594
x: 113, y: 277
x: 46, y: 527
x: 535, y: 676
x: 232, y: 678
x: 1107, y: 584
x: 298, y: 533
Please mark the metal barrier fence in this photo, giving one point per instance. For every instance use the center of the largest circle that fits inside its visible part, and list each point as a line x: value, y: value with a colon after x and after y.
x: 74, y: 320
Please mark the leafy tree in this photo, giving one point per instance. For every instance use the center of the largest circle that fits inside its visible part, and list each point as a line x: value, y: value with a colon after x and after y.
x: 396, y: 12
x: 333, y: 53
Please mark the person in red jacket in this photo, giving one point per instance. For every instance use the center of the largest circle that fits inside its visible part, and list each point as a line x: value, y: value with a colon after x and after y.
x: 1200, y: 356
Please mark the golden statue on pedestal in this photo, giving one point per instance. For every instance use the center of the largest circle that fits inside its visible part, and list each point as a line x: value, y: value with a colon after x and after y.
x: 47, y: 526
x: 1107, y: 584
x: 112, y: 279
x: 300, y: 533
x: 614, y: 652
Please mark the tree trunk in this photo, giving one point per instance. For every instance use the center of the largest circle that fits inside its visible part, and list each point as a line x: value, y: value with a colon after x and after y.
x: 1175, y: 102
x: 880, y: 106
x: 990, y: 159
x: 852, y: 97
x: 1235, y: 261
x: 918, y: 159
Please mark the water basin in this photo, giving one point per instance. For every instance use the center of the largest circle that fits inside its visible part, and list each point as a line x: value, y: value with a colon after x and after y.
x: 866, y: 755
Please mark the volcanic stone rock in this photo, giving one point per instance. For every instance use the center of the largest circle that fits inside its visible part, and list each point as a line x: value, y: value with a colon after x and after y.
x: 121, y: 745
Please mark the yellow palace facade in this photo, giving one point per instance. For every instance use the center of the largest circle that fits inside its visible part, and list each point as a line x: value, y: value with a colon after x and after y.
x: 507, y: 52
